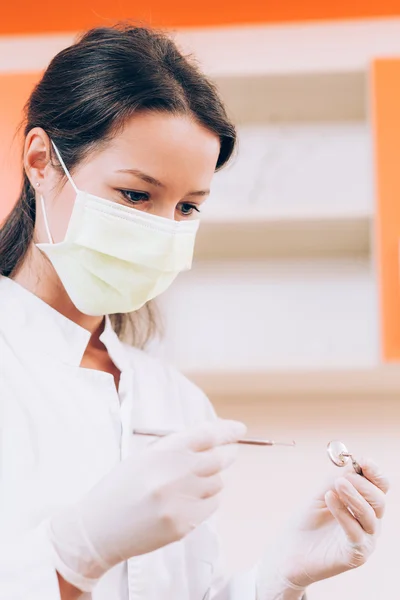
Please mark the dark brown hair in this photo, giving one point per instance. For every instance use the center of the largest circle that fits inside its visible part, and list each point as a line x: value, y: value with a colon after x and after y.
x: 85, y: 96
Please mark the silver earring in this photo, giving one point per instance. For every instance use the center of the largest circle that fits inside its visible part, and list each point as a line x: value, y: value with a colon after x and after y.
x: 37, y: 184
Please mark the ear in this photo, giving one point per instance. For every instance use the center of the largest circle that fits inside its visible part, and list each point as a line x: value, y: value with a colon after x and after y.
x: 37, y: 155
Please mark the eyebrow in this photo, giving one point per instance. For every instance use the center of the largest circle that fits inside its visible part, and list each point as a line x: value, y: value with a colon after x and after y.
x: 153, y: 181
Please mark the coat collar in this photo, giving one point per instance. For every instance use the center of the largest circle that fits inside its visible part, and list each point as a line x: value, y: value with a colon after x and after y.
x: 46, y: 330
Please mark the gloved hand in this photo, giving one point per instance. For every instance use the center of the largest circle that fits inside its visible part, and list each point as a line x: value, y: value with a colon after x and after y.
x: 337, y: 532
x: 147, y: 501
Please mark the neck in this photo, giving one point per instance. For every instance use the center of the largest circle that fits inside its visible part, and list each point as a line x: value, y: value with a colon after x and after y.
x: 38, y: 276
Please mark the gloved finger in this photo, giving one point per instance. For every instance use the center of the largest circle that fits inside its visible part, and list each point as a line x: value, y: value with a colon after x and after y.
x: 205, y: 436
x: 216, y: 460
x: 374, y: 474
x: 348, y: 523
x: 372, y: 494
x: 211, y: 486
x: 360, y: 508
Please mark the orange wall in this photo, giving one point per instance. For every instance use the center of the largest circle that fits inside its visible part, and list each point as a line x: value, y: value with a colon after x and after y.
x: 386, y: 118
x: 22, y: 16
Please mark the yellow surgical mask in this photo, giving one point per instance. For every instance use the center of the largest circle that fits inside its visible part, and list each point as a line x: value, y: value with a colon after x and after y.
x: 115, y: 258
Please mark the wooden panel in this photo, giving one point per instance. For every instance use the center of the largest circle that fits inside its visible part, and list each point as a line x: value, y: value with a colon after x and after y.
x: 24, y: 17
x: 386, y: 119
x: 14, y: 92
x: 285, y: 238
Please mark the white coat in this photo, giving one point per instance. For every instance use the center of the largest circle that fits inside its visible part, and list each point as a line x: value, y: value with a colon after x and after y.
x: 62, y: 428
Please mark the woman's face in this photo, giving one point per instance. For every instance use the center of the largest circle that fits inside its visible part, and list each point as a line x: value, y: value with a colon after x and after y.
x: 160, y: 163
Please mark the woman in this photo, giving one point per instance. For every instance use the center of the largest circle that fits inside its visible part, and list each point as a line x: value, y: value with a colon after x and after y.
x: 123, y: 135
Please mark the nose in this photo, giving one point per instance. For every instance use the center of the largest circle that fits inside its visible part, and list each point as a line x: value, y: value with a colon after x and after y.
x: 166, y: 210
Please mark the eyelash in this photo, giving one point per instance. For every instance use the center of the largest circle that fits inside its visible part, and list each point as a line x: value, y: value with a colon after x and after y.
x: 126, y: 194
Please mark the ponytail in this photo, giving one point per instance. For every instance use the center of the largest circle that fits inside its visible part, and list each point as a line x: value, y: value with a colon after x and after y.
x: 16, y: 233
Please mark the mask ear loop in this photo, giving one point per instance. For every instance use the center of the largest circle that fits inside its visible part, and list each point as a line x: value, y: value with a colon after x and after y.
x: 46, y: 222
x: 64, y: 167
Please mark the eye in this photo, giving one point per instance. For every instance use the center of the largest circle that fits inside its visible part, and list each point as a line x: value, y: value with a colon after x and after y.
x: 134, y: 197
x: 187, y: 209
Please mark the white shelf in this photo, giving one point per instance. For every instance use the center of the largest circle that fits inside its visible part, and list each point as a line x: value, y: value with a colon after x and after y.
x: 323, y: 47
x: 296, y: 171
x: 272, y: 315
x: 300, y: 190
x: 262, y: 238
x: 380, y: 380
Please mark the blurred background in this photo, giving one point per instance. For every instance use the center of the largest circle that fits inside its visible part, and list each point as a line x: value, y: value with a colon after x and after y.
x: 290, y: 319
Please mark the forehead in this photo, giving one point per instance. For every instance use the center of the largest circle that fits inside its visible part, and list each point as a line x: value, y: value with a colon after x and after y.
x: 163, y: 141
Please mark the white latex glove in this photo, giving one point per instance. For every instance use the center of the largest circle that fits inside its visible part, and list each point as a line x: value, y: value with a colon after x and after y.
x: 147, y: 501
x: 327, y: 539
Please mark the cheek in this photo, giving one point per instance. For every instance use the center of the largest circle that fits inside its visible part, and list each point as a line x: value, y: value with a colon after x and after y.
x: 60, y: 213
